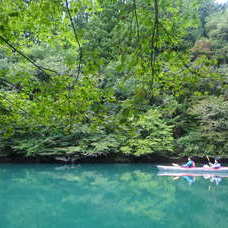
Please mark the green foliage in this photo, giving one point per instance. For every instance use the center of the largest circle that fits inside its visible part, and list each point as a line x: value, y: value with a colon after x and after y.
x: 86, y: 79
x: 152, y: 135
x: 218, y: 34
x: 211, y: 136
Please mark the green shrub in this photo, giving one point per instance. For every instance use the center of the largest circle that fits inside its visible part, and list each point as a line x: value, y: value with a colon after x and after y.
x: 211, y: 135
x: 152, y: 135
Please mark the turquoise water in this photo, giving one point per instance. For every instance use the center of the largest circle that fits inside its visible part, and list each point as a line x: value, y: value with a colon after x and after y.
x: 115, y: 196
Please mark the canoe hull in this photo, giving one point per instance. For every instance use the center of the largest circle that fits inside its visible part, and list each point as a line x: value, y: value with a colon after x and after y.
x: 192, y: 170
x: 205, y: 175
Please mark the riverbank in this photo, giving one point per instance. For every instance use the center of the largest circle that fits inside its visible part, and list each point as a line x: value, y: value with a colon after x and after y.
x: 103, y: 159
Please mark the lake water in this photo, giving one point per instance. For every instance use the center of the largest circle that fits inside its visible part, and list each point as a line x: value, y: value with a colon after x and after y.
x: 115, y: 196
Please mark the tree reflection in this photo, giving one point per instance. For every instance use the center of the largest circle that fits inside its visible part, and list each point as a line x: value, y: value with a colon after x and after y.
x: 106, y: 196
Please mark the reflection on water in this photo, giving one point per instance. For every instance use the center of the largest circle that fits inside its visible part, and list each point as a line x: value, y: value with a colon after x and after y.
x: 108, y: 196
x: 191, y: 178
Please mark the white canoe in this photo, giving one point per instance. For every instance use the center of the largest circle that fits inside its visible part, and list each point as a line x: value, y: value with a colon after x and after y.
x: 180, y: 169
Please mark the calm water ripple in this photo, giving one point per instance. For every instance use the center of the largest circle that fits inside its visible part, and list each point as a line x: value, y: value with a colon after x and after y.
x: 115, y: 196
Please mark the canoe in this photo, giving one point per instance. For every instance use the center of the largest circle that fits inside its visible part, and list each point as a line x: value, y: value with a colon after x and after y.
x: 180, y: 169
x: 205, y: 175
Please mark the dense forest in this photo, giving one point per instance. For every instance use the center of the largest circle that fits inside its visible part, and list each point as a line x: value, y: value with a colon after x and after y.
x: 113, y: 78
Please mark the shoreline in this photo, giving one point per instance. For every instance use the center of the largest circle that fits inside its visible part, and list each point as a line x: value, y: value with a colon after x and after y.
x: 102, y: 159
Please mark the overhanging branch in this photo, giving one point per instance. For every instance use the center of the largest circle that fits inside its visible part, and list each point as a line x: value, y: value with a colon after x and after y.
x: 76, y: 38
x: 41, y: 68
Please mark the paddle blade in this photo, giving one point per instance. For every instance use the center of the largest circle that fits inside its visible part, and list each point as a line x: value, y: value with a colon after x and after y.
x: 174, y: 164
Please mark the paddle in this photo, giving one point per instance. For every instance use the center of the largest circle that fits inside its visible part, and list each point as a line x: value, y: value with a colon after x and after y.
x: 208, y: 160
x: 174, y: 164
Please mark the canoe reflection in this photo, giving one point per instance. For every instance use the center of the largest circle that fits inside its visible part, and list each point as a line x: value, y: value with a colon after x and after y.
x: 213, y: 179
x: 191, y: 177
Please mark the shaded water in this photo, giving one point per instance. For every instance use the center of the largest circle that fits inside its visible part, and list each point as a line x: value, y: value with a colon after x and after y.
x: 118, y: 195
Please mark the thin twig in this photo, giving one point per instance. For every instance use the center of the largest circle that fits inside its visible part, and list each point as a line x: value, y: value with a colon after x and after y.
x: 137, y: 22
x: 41, y: 68
x: 76, y: 38
x: 154, y: 39
x: 7, y: 83
x: 11, y: 103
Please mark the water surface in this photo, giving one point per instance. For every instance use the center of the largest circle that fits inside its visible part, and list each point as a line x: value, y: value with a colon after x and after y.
x: 115, y: 196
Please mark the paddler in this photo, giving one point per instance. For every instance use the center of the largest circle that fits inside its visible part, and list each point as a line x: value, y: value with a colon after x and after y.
x: 190, y: 163
x: 216, y: 165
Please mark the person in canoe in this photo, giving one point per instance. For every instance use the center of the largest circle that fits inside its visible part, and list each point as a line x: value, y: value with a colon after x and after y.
x: 189, y: 164
x: 216, y: 164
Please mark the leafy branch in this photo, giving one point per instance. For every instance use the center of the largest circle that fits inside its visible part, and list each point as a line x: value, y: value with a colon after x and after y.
x: 76, y: 38
x: 41, y: 68
x: 154, y: 39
